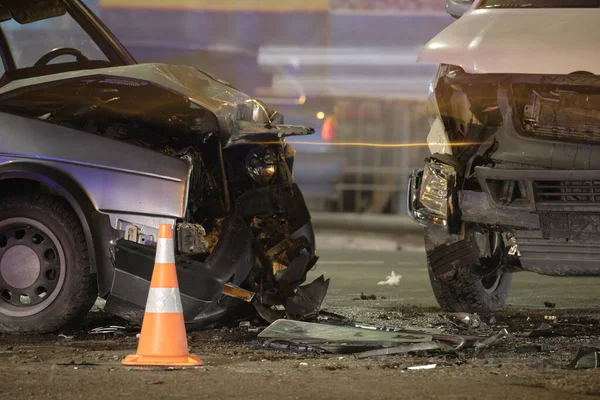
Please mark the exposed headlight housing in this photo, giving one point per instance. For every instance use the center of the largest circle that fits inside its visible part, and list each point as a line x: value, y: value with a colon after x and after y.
x: 435, y: 193
x: 262, y: 165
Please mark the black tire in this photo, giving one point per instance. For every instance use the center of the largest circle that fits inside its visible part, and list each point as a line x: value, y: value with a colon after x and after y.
x: 70, y: 286
x: 458, y: 290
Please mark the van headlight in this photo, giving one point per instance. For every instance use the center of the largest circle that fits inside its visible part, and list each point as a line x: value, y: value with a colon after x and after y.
x: 435, y: 191
x: 261, y: 165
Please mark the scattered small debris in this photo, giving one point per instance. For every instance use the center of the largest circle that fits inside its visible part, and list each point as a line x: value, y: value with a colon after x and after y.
x: 156, y: 383
x: 107, y: 330
x: 384, y: 316
x: 336, y: 367
x: 245, y: 324
x: 587, y: 357
x: 391, y: 280
x: 465, y: 319
x: 550, y: 317
x: 63, y: 336
x: 548, y: 304
x: 533, y: 348
x: 369, y: 297
x: 411, y: 348
x: 482, y: 346
x: 303, y: 364
x: 78, y: 365
x: 421, y: 367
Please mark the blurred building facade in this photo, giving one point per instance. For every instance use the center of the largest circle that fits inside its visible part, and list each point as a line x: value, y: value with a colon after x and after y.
x: 346, y: 67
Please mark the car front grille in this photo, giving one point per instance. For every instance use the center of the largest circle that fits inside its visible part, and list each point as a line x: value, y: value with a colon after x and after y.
x: 567, y: 191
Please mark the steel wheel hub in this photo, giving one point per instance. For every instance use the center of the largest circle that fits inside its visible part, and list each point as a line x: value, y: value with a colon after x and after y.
x: 20, y: 267
x: 32, y: 267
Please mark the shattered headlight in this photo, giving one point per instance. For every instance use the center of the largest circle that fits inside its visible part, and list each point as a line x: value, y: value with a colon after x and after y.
x: 262, y: 165
x: 435, y: 188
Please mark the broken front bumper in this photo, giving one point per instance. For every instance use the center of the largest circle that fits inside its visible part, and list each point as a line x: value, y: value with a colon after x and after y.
x: 202, y: 283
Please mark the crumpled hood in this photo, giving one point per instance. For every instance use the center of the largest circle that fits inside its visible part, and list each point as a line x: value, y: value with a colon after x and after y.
x: 238, y: 114
x: 520, y: 41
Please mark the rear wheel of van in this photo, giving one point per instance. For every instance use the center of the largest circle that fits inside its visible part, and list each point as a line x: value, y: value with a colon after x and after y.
x: 457, y: 289
x: 45, y: 277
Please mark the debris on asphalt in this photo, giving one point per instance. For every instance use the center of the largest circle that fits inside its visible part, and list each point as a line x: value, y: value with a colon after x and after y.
x: 63, y: 336
x: 411, y: 348
x: 588, y: 357
x: 542, y: 330
x: 548, y: 304
x: 299, y: 330
x: 482, y: 346
x: 466, y: 319
x: 532, y: 348
x: 391, y: 280
x: 367, y: 297
x: 108, y: 330
x: 550, y: 317
x: 421, y: 367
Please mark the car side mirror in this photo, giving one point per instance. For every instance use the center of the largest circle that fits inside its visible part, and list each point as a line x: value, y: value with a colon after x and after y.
x: 457, y: 8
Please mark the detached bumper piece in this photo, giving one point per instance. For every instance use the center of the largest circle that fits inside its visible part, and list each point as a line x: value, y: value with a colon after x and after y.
x: 201, y: 283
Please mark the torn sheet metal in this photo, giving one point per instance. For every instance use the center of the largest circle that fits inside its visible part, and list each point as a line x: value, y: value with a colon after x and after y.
x: 587, y: 357
x: 297, y: 330
x: 405, y: 349
x: 481, y: 347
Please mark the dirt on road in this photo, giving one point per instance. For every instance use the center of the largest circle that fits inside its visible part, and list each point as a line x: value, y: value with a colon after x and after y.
x: 77, y: 364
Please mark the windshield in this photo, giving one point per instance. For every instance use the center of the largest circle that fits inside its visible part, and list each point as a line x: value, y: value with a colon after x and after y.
x: 539, y: 4
x: 29, y: 42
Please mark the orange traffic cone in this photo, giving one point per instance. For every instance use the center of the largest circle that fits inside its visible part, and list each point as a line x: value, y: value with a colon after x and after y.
x: 163, y: 340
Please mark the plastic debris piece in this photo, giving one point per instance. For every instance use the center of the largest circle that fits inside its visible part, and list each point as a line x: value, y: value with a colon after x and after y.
x: 391, y: 280
x: 245, y: 324
x: 482, y: 346
x: 548, y: 304
x: 466, y: 319
x: 410, y: 348
x: 550, y: 317
x: 542, y: 330
x: 290, y: 330
x: 587, y: 357
x: 420, y: 367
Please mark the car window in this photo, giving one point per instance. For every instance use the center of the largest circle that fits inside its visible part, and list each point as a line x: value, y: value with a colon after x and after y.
x: 29, y: 42
x: 539, y: 4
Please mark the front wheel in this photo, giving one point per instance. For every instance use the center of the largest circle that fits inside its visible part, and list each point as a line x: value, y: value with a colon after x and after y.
x: 458, y: 290
x: 45, y: 276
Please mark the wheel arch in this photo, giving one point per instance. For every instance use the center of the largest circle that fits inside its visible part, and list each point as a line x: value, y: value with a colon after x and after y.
x: 17, y: 176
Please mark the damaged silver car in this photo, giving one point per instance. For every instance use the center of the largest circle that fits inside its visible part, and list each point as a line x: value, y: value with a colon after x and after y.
x: 513, y: 182
x: 98, y: 150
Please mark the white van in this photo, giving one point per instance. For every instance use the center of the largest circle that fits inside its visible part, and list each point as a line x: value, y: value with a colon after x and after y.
x: 513, y: 181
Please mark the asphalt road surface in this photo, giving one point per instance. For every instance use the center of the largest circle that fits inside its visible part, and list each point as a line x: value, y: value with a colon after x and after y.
x: 353, y: 272
x: 77, y: 364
